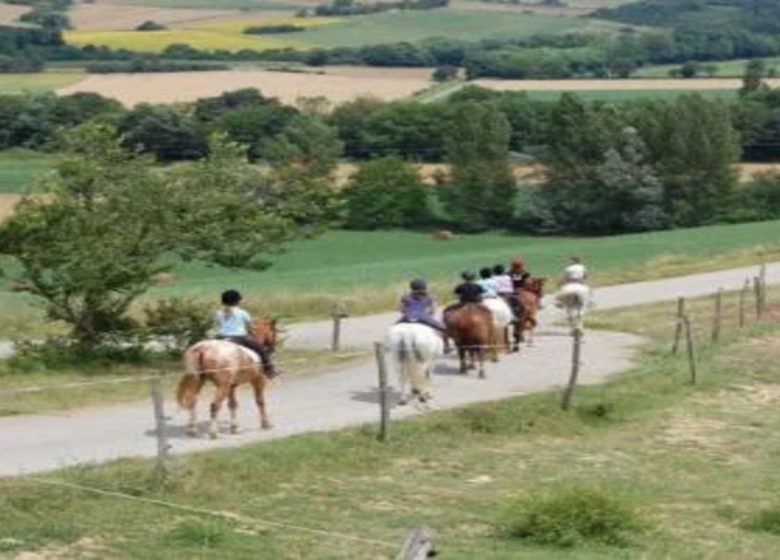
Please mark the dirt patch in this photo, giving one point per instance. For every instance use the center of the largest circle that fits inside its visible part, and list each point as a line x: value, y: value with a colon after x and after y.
x: 432, y: 173
x: 100, y: 16
x: 7, y: 204
x: 83, y: 549
x: 749, y: 171
x: 629, y: 84
x: 9, y: 13
x: 131, y: 89
x: 372, y: 72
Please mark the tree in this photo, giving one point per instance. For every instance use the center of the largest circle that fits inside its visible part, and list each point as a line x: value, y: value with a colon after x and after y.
x: 753, y: 78
x: 109, y: 222
x: 386, y: 193
x: 482, y: 190
x: 445, y: 73
x: 307, y: 142
x: 165, y: 131
x: 255, y: 124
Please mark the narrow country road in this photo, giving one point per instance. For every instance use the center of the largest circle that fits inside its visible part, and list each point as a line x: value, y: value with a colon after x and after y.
x: 347, y: 397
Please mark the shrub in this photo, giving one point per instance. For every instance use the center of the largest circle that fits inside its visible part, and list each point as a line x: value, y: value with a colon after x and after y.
x: 765, y: 521
x: 573, y: 516
x: 177, y: 323
x: 272, y: 29
x: 149, y: 25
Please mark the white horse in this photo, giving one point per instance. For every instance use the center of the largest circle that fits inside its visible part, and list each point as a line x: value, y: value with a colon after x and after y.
x: 502, y: 319
x: 574, y: 298
x: 414, y: 348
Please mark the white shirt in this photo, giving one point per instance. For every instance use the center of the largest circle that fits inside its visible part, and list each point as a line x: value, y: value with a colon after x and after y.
x: 576, y: 273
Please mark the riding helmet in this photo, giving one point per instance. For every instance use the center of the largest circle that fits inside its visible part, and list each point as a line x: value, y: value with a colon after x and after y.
x: 231, y: 297
x: 468, y: 276
x: 418, y: 284
x: 486, y: 273
x: 499, y: 270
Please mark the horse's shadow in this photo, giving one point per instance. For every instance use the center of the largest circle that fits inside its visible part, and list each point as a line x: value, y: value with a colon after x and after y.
x: 371, y: 396
x: 181, y: 431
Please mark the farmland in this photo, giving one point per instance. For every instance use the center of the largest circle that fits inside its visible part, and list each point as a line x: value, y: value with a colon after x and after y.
x: 19, y: 170
x: 38, y: 83
x: 102, y: 16
x: 694, y: 466
x: 723, y: 68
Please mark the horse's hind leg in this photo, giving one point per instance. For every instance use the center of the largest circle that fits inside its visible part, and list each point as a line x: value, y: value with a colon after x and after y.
x: 480, y: 352
x: 259, y: 385
x: 192, y: 425
x: 220, y: 395
x: 233, y: 406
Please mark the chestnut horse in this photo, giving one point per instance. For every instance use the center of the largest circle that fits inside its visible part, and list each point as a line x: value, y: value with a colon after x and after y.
x: 471, y: 328
x: 226, y: 365
x: 530, y: 295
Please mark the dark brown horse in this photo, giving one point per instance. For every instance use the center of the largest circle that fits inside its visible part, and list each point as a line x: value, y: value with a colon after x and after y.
x: 530, y: 295
x: 471, y: 328
x: 226, y: 365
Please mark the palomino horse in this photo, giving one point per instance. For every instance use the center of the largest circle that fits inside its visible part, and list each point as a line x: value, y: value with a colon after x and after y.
x: 530, y: 295
x: 471, y: 327
x: 226, y: 365
x: 573, y: 298
x: 502, y: 319
x: 414, y: 348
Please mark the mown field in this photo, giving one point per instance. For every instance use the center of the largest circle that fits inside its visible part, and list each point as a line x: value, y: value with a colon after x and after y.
x: 725, y: 68
x: 38, y: 83
x: 19, y: 169
x: 668, y: 471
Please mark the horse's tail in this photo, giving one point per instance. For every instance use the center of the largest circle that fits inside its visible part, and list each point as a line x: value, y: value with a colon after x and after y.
x: 189, y: 384
x: 410, y: 358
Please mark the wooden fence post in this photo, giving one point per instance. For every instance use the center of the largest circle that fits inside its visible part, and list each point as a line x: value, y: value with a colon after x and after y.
x: 384, y: 396
x: 418, y: 545
x: 757, y: 292
x: 337, y: 313
x: 743, y: 302
x: 575, y: 369
x: 691, y: 346
x: 717, y: 317
x: 762, y: 279
x: 160, y: 432
x: 678, y: 332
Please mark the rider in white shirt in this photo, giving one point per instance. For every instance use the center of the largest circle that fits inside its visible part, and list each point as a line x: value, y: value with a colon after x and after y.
x: 575, y: 272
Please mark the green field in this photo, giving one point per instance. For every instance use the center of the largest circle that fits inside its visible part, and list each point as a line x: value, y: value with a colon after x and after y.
x: 692, y: 471
x: 19, y: 169
x: 619, y: 95
x: 726, y: 68
x: 37, y: 83
x: 393, y: 27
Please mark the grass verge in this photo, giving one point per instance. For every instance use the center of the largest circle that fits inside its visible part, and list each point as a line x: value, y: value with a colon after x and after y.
x: 693, y: 462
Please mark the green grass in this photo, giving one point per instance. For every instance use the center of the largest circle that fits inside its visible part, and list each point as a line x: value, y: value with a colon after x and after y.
x: 219, y: 4
x: 19, y: 169
x: 697, y: 465
x: 726, y: 68
x: 37, y: 83
x: 391, y: 27
x: 368, y: 270
x: 621, y: 95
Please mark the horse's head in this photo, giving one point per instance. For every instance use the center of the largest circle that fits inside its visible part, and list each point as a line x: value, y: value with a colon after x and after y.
x: 267, y: 332
x: 535, y: 286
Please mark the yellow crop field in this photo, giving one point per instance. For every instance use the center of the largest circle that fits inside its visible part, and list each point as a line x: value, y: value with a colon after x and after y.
x: 225, y: 34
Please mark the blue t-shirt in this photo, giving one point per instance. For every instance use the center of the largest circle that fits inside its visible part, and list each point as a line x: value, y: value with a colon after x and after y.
x: 490, y: 286
x: 232, y: 322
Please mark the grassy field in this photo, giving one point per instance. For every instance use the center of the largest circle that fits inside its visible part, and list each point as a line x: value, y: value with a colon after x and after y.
x: 618, y: 95
x: 726, y: 68
x: 386, y: 27
x: 19, y: 169
x: 37, y: 83
x: 221, y: 4
x: 210, y: 35
x: 685, y: 472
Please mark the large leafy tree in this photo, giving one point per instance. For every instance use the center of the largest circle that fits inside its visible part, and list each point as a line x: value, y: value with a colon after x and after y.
x: 108, y: 221
x: 481, y: 192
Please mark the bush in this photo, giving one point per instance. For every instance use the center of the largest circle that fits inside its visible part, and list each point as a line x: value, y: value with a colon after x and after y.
x: 765, y: 521
x: 272, y: 29
x: 573, y: 517
x: 151, y: 26
x: 177, y: 323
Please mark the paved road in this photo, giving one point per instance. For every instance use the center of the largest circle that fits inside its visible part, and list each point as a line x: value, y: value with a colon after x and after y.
x: 341, y: 398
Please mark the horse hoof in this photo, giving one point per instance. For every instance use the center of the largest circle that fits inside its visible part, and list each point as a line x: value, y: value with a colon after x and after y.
x: 266, y: 426
x: 192, y: 431
x: 213, y: 435
x: 235, y: 430
x: 403, y: 401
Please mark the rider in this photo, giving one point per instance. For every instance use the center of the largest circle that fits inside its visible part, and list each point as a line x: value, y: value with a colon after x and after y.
x: 518, y: 273
x: 488, y: 283
x: 575, y: 273
x: 235, y: 324
x: 419, y: 307
x: 503, y: 281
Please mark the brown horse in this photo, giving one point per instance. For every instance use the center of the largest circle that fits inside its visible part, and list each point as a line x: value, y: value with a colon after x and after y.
x: 471, y: 328
x: 530, y: 295
x: 226, y: 365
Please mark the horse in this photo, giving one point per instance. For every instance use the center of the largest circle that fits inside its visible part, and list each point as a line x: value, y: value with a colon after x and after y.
x: 530, y: 296
x: 414, y: 348
x: 227, y: 365
x: 471, y: 328
x: 502, y: 319
x: 573, y: 298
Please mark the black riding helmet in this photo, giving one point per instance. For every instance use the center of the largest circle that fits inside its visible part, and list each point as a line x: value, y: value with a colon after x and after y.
x: 231, y: 297
x: 486, y: 273
x: 499, y: 270
x: 418, y: 285
x: 468, y: 276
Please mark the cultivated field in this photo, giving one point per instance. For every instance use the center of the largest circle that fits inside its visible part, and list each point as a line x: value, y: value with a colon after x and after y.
x: 38, y: 82
x: 220, y: 34
x: 9, y: 13
x: 131, y: 89
x: 631, y: 84
x: 725, y: 69
x: 100, y: 16
x: 19, y: 169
